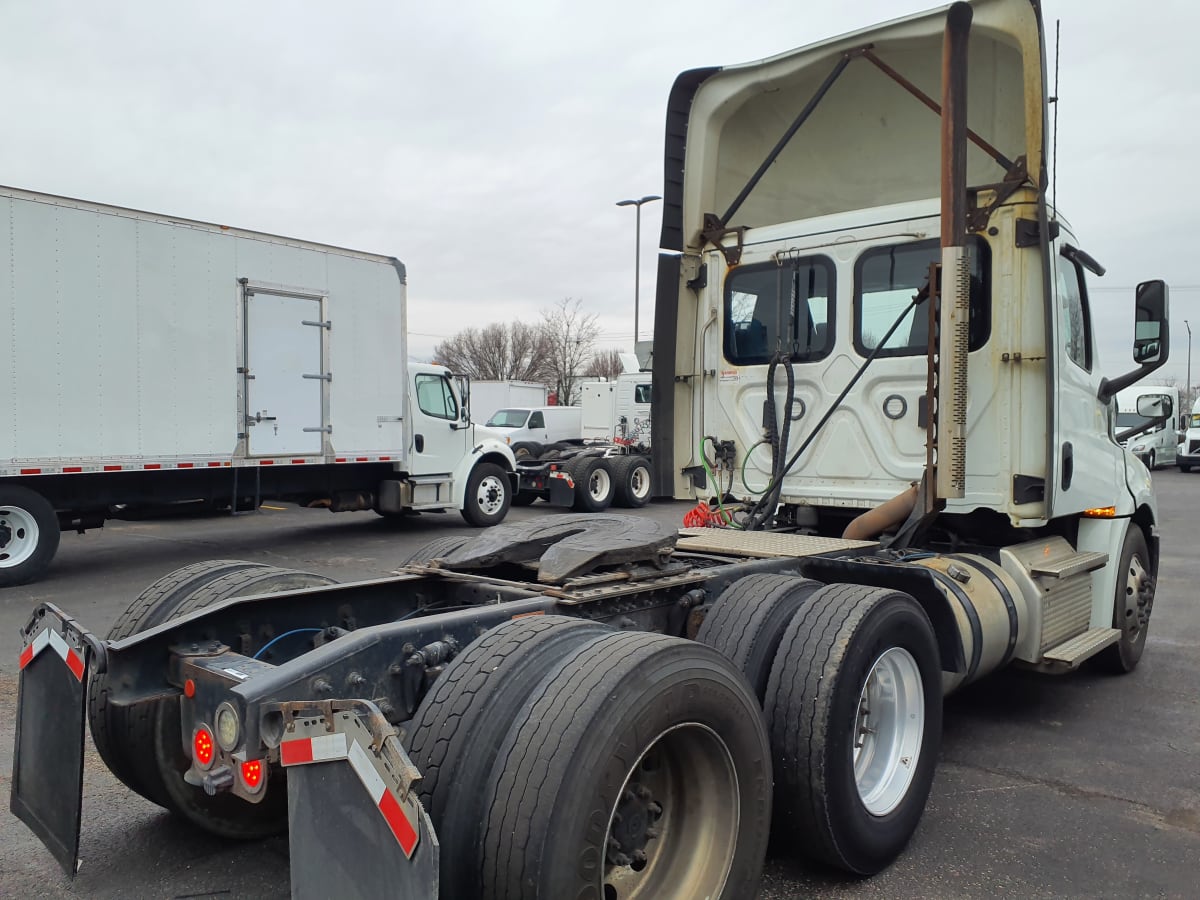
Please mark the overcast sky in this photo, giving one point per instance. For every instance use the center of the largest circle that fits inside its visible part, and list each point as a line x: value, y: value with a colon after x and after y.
x: 486, y: 143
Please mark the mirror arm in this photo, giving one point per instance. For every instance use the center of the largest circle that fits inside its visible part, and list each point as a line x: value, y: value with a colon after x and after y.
x: 1138, y: 429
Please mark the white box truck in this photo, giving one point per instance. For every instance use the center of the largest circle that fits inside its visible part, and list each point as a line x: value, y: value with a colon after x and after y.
x: 152, y: 359
x: 489, y: 396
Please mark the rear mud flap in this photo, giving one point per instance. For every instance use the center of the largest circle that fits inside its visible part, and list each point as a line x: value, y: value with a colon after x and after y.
x: 356, y: 826
x: 47, y: 781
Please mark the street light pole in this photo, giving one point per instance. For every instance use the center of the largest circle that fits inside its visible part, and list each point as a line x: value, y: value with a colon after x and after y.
x: 637, y: 258
x: 1188, y: 391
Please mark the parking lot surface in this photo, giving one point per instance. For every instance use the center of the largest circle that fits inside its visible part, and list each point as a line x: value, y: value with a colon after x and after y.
x: 1078, y: 786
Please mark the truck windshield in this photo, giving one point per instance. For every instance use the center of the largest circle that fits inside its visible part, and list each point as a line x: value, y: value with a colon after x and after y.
x: 509, y: 418
x: 1131, y: 420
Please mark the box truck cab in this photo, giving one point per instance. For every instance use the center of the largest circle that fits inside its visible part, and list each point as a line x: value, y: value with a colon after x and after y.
x: 1158, y: 446
x: 1188, y: 454
x: 537, y: 425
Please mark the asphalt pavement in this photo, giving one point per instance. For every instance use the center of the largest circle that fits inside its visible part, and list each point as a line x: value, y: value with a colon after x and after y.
x: 1077, y: 786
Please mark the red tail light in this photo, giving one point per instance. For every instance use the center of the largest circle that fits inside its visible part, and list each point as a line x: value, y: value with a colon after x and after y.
x: 202, y: 747
x: 252, y: 774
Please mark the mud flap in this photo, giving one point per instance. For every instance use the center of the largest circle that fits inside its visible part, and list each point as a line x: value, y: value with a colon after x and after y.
x: 357, y: 828
x: 47, y: 781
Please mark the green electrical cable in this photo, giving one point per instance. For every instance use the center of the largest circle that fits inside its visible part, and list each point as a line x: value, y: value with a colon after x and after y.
x: 726, y: 517
x: 746, y: 459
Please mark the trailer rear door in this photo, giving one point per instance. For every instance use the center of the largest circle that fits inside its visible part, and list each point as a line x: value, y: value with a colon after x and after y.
x: 284, y: 374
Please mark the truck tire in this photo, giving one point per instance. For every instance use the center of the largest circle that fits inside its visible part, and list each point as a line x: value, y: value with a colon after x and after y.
x: 527, y: 450
x: 457, y: 730
x: 488, y: 495
x: 641, y: 769
x: 593, y: 479
x: 141, y: 744
x: 746, y: 622
x: 29, y: 535
x: 632, y: 475
x: 1183, y: 468
x: 1132, y: 605
x: 855, y: 663
x: 435, y: 549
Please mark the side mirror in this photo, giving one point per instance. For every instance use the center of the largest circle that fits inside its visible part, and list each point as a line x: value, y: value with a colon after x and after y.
x: 1150, y: 322
x: 1155, y: 406
x: 1151, y: 337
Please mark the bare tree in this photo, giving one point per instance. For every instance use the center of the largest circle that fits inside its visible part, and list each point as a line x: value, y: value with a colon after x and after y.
x: 496, y: 352
x: 604, y: 364
x: 570, y: 335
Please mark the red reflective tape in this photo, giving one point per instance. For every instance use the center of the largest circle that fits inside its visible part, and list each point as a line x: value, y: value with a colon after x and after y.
x: 186, y: 465
x: 112, y: 468
x: 26, y: 656
x: 75, y: 663
x: 294, y: 753
x: 297, y: 462
x: 70, y: 469
x: 398, y: 822
x: 385, y: 459
x: 340, y: 459
x: 266, y: 462
x: 152, y: 466
x: 362, y: 459
x: 31, y: 471
x: 212, y: 465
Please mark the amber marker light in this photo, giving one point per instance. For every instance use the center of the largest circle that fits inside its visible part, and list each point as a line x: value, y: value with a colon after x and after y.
x: 1101, y: 512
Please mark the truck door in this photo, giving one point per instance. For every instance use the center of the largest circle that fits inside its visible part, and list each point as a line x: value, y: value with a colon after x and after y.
x: 1088, y: 464
x: 284, y: 374
x: 439, y: 434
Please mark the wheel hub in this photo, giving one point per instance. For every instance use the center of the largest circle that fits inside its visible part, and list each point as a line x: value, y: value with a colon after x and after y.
x: 888, y: 731
x: 18, y: 536
x: 1139, y: 598
x: 633, y: 826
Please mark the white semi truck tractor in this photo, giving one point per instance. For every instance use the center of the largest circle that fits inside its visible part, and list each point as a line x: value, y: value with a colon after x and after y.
x: 886, y: 364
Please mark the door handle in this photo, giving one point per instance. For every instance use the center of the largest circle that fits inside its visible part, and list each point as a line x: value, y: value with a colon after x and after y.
x: 1068, y: 465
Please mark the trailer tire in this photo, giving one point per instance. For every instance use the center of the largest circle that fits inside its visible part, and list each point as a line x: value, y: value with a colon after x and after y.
x: 435, y: 549
x: 29, y: 535
x: 1132, y: 606
x: 746, y: 622
x: 594, y: 483
x: 128, y: 739
x: 632, y: 475
x: 458, y: 728
x: 640, y: 769
x: 854, y: 813
x: 527, y: 449
x: 488, y: 495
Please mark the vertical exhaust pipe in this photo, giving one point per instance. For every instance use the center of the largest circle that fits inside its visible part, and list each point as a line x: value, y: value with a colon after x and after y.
x: 955, y: 290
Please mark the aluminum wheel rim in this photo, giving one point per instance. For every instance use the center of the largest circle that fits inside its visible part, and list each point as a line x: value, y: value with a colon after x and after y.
x: 19, y: 535
x: 599, y: 484
x: 888, y: 731
x: 687, y: 776
x: 1137, y: 608
x: 490, y: 495
x: 639, y: 482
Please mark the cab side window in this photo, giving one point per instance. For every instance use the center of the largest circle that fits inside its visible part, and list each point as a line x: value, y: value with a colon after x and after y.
x: 641, y: 393
x: 1075, y: 319
x: 537, y: 420
x: 435, y: 398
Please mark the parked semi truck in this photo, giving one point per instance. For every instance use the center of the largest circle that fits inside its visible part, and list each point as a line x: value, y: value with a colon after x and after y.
x: 155, y: 359
x: 1155, y: 445
x: 891, y: 367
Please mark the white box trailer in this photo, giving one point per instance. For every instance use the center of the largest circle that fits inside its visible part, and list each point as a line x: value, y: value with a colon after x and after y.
x: 489, y: 396
x: 153, y: 359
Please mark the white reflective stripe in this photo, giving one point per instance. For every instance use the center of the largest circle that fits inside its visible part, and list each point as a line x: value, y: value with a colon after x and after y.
x: 40, y: 642
x: 361, y: 762
x: 329, y: 746
x: 59, y: 643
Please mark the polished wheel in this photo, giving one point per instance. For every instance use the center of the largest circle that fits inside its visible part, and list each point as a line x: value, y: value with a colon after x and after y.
x: 888, y: 731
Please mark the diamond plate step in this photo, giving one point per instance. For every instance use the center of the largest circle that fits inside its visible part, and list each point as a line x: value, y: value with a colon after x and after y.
x: 763, y: 544
x: 1079, y: 648
x: 1069, y: 564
